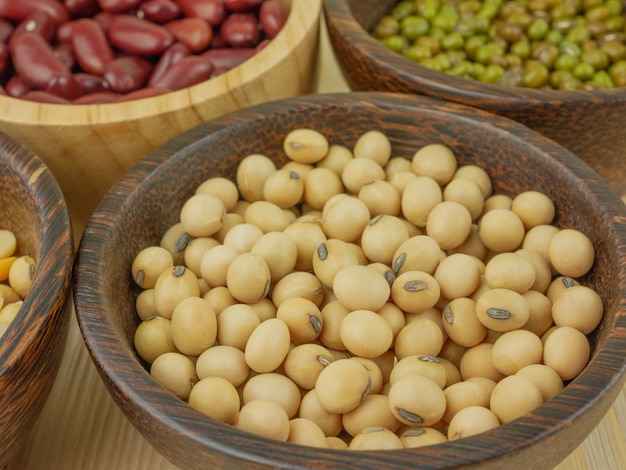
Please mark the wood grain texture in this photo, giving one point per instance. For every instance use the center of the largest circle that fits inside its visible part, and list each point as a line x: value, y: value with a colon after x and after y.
x: 589, y: 123
x: 81, y: 427
x: 89, y: 147
x: 33, y: 208
x: 147, y: 201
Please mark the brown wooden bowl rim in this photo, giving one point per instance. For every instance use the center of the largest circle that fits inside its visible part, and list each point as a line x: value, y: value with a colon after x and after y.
x: 51, y: 288
x: 303, y: 17
x: 343, y: 27
x: 128, y: 380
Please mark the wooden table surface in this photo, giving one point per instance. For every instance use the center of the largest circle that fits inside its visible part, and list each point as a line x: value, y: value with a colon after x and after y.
x: 82, y: 428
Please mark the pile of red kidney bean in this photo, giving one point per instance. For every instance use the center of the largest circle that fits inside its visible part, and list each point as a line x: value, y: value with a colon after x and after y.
x: 101, y: 51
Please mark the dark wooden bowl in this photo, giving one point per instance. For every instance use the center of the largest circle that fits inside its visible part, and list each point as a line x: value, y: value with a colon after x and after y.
x: 147, y: 201
x: 589, y: 123
x: 31, y: 349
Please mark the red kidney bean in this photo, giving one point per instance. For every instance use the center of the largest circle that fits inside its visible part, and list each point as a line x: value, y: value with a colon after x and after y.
x: 35, y: 61
x: 217, y: 72
x: 64, y: 32
x: 37, y: 22
x: 272, y: 16
x: 65, y: 53
x: 6, y: 29
x: 16, y: 87
x: 118, y: 6
x: 82, y: 8
x: 213, y: 11
x: 91, y: 47
x: 40, y: 96
x: 226, y: 59
x: 195, y: 33
x: 90, y: 84
x: 5, y: 59
x: 105, y: 19
x: 129, y: 73
x: 171, y: 55
x: 99, y: 97
x: 3, y: 92
x: 186, y: 72
x: 17, y: 10
x: 160, y: 11
x: 64, y: 86
x: 119, y: 48
x: 218, y: 41
x: 242, y: 5
x: 143, y: 93
x: 240, y: 30
x: 137, y: 36
x: 262, y: 45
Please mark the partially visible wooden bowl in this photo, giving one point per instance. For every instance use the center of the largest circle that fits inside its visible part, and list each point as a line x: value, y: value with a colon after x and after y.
x: 147, y: 201
x: 31, y: 349
x: 89, y: 147
x: 589, y: 123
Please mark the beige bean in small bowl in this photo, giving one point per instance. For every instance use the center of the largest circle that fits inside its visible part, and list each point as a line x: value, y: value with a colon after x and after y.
x: 147, y: 202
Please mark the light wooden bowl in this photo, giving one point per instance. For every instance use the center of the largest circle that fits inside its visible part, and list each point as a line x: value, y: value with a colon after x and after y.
x: 32, y: 347
x: 147, y: 200
x: 89, y: 147
x: 589, y: 123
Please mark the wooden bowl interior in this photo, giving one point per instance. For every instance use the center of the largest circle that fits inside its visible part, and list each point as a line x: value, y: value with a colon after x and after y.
x: 148, y: 199
x: 31, y: 349
x: 586, y: 122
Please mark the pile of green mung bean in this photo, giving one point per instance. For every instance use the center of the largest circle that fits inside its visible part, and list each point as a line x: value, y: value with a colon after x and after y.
x: 553, y: 44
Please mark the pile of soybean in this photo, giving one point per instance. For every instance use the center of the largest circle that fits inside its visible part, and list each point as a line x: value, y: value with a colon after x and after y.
x: 16, y: 278
x: 572, y: 45
x: 328, y: 294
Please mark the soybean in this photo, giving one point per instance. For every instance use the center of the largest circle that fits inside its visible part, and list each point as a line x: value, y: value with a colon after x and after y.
x: 471, y: 421
x: 274, y: 387
x: 424, y: 412
x: 513, y: 396
x: 382, y: 237
x: 202, y: 215
x: 303, y: 319
x: 265, y: 418
x: 358, y: 287
x: 305, y: 362
x: 365, y: 333
x: 373, y: 145
x: 267, y: 345
x: 149, y: 264
x: 223, y: 361
x: 375, y: 438
x: 21, y: 274
x: 306, y: 432
x: 305, y: 145
x: 172, y: 286
x: 342, y: 386
x: 310, y: 408
x: 176, y: 372
x: 217, y: 398
x: 579, y: 307
x: 374, y: 411
x: 571, y: 253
